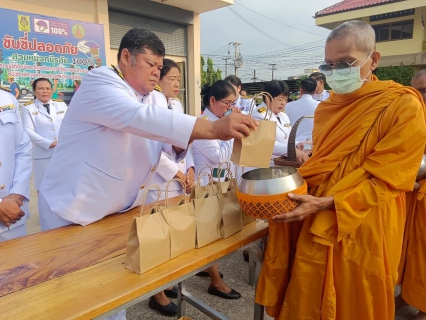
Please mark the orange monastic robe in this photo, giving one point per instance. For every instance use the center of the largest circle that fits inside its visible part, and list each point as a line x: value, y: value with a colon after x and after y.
x: 342, y: 263
x: 412, y: 269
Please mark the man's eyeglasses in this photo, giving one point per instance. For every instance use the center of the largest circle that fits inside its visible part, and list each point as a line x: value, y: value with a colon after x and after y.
x: 228, y: 104
x: 340, y: 67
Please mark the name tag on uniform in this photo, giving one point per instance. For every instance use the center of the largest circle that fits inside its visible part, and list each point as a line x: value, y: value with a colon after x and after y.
x: 59, y: 112
x: 35, y: 113
x: 7, y: 107
x: 287, y: 125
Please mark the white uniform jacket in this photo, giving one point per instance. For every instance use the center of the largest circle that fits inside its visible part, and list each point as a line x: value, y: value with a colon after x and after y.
x: 211, y: 152
x: 108, y: 149
x: 15, y: 156
x: 305, y: 106
x: 42, y: 127
x: 283, y: 129
x: 244, y: 104
x: 167, y: 167
x: 321, y: 96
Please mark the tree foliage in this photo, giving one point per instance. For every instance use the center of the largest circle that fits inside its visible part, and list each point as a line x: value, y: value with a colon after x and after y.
x: 208, y: 74
x: 401, y: 74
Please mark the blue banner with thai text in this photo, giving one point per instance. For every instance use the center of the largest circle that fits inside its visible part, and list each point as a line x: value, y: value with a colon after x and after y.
x: 35, y: 46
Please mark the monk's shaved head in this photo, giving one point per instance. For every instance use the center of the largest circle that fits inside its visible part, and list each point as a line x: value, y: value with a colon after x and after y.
x: 357, y: 33
x: 420, y: 74
x: 419, y: 83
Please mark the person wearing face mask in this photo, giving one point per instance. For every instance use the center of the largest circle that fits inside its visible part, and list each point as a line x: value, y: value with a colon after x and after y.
x: 242, y: 103
x: 42, y: 119
x: 274, y: 109
x: 412, y: 276
x: 336, y: 255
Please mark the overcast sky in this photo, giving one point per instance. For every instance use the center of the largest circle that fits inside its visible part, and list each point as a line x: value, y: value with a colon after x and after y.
x: 265, y: 41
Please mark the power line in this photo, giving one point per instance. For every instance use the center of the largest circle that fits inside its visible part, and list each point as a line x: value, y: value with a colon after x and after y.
x: 259, y: 30
x: 279, y: 21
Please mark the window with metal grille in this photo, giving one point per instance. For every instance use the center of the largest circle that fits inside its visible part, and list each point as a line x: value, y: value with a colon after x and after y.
x: 394, y: 31
x: 173, y: 35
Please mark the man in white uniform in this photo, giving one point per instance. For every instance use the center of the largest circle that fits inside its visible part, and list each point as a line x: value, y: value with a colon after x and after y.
x: 110, y: 144
x: 305, y: 106
x: 15, y: 169
x: 42, y: 120
x: 320, y: 93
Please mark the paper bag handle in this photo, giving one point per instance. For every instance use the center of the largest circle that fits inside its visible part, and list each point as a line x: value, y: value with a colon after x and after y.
x: 167, y: 190
x: 205, y: 174
x: 202, y: 168
x: 146, y: 194
x: 269, y: 112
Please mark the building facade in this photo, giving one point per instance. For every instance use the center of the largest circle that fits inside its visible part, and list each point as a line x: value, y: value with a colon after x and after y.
x: 399, y: 27
x: 176, y: 22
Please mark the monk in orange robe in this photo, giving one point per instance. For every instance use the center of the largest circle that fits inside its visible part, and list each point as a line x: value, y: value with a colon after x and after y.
x: 336, y: 255
x: 412, y: 268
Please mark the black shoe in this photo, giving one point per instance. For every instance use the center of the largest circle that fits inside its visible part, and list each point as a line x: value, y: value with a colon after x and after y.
x: 172, y: 293
x: 170, y: 310
x: 231, y: 295
x: 206, y: 274
x: 246, y: 256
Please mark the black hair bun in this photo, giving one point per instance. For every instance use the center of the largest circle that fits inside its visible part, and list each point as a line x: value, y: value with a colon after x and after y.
x: 206, y: 89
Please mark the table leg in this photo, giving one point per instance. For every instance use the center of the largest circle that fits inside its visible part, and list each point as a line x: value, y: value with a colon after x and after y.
x: 181, y: 302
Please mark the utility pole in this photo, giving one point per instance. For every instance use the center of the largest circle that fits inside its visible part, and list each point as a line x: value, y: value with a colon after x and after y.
x: 226, y: 64
x: 273, y: 68
x: 238, y: 60
x: 254, y: 76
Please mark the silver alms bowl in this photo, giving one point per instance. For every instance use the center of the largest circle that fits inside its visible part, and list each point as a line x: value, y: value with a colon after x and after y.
x: 422, y: 170
x: 274, y: 180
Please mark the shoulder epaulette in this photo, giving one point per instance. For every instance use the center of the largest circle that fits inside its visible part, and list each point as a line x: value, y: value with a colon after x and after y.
x: 58, y: 100
x: 261, y: 110
x: 5, y: 89
x: 158, y: 88
x: 28, y: 103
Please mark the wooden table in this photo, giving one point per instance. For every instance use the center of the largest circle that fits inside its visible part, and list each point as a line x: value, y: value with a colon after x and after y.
x: 78, y: 272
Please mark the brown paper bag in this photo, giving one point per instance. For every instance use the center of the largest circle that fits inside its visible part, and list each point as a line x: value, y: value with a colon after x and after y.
x: 247, y: 218
x: 256, y: 149
x: 208, y: 216
x: 182, y: 223
x: 229, y: 206
x: 149, y: 240
x: 199, y: 191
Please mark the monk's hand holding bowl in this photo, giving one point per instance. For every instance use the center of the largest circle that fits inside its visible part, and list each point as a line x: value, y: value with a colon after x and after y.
x: 307, y: 205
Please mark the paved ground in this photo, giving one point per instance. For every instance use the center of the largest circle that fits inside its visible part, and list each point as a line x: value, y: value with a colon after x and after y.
x: 236, y: 275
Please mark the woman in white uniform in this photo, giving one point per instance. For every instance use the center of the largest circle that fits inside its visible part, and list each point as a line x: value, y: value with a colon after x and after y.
x: 219, y: 99
x: 42, y: 120
x: 242, y: 103
x: 279, y: 92
x: 168, y: 169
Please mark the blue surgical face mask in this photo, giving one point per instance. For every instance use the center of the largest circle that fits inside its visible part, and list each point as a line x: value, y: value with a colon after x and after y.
x: 228, y: 112
x: 347, y: 83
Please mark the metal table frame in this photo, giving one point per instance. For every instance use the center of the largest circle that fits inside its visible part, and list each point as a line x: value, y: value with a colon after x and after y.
x: 255, y: 261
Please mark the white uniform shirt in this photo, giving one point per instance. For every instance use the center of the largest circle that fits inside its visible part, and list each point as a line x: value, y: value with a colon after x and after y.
x: 321, y: 96
x: 167, y: 168
x: 15, y: 156
x: 108, y: 149
x: 244, y: 104
x: 211, y: 152
x: 283, y: 129
x: 42, y: 127
x: 305, y: 106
